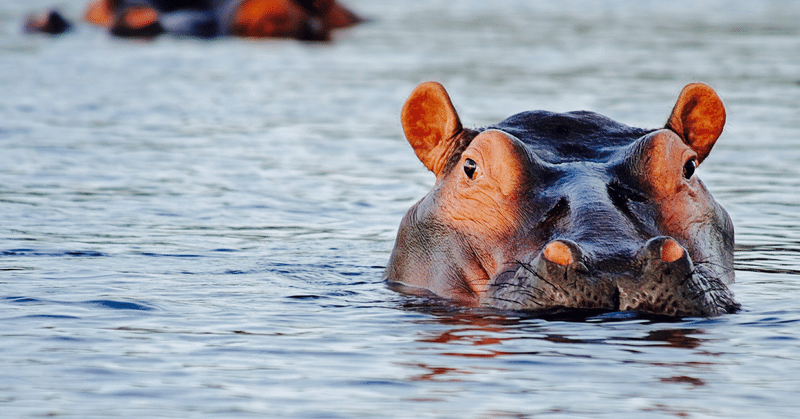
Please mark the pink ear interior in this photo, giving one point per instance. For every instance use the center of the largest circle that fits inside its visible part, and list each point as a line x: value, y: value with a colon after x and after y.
x: 698, y: 118
x: 430, y: 123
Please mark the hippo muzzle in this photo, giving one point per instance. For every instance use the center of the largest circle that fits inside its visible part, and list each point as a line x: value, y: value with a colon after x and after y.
x: 547, y: 211
x: 660, y: 278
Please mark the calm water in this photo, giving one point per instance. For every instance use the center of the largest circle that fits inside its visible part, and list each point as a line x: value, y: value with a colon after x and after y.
x: 198, y: 229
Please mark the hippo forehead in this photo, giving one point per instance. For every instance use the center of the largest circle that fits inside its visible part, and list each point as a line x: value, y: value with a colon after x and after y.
x: 571, y: 136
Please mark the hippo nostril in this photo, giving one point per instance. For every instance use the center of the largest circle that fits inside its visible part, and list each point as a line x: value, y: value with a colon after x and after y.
x: 558, y: 252
x: 663, y: 249
x: 671, y: 251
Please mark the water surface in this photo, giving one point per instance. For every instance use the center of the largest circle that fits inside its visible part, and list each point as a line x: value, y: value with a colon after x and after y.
x: 198, y: 229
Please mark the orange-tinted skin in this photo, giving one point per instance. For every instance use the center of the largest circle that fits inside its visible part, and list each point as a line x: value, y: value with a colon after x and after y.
x: 268, y: 19
x: 338, y: 17
x: 285, y: 18
x: 494, y: 188
x: 99, y: 12
x: 671, y: 251
x: 37, y: 21
x: 558, y: 252
x: 138, y: 17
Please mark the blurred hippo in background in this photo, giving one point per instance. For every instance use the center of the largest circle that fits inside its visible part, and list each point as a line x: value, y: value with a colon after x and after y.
x: 50, y: 22
x: 309, y: 20
x: 549, y: 212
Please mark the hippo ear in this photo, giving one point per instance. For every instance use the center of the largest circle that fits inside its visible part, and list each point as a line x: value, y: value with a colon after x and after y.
x: 431, y: 125
x: 698, y: 118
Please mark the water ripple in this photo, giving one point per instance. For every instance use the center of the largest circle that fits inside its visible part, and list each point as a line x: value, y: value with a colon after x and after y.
x: 198, y: 229
x: 110, y: 304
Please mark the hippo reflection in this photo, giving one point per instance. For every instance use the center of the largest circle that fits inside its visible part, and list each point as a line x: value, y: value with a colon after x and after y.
x: 548, y: 211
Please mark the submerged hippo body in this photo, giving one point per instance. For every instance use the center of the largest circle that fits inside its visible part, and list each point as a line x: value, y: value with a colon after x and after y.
x: 548, y: 211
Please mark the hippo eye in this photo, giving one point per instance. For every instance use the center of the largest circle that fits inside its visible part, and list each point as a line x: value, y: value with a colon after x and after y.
x: 688, y: 168
x: 469, y: 167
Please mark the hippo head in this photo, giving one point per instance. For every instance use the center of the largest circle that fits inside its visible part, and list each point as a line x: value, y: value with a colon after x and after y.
x: 549, y: 211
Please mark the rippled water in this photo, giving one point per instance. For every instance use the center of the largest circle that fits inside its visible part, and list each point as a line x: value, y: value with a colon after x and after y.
x: 198, y: 229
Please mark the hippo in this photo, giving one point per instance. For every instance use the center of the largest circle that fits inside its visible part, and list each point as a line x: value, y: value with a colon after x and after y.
x: 566, y: 212
x: 308, y: 20
x: 50, y: 22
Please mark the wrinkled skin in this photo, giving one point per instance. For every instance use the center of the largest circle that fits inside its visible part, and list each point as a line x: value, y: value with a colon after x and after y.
x: 548, y: 211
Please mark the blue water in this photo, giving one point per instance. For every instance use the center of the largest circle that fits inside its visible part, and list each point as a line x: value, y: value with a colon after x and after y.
x: 198, y: 228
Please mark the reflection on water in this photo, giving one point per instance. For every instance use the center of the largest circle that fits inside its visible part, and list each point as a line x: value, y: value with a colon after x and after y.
x: 198, y: 229
x: 563, y: 364
x: 675, y: 338
x: 486, y: 331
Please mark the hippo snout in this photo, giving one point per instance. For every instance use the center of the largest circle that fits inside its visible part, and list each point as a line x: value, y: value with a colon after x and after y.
x: 660, y: 278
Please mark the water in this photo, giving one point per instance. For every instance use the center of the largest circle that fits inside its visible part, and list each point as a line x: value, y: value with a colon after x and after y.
x: 198, y: 229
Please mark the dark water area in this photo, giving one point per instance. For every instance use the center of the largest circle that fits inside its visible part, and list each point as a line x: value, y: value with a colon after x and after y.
x: 195, y: 228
